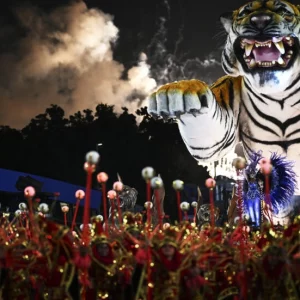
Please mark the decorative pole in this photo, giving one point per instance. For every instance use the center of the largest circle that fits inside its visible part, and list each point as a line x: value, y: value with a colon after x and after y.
x: 118, y: 187
x: 156, y: 184
x: 239, y: 163
x: 178, y: 186
x: 82, y: 259
x: 29, y: 193
x: 23, y: 209
x: 80, y: 194
x: 148, y: 205
x: 194, y: 204
x: 210, y: 184
x: 43, y: 209
x: 185, y: 206
x: 92, y: 158
x: 65, y: 210
x: 18, y: 214
x: 266, y: 169
x: 111, y: 195
x: 148, y: 173
x: 102, y: 179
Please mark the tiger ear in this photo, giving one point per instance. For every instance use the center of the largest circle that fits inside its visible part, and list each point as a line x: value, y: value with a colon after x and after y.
x: 227, y: 19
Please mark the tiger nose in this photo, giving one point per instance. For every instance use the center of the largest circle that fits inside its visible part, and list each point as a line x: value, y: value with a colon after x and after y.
x: 261, y: 21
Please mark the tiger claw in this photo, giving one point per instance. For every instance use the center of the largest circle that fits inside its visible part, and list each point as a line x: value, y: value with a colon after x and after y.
x: 178, y: 114
x: 180, y: 120
x: 165, y: 116
x: 194, y: 112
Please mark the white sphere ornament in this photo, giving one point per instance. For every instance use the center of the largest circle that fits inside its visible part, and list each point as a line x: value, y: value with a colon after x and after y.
x: 118, y: 186
x: 92, y: 157
x: 194, y: 204
x: 178, y: 185
x: 156, y: 183
x: 18, y: 212
x: 99, y: 218
x: 148, y: 173
x: 102, y: 177
x: 22, y: 206
x: 29, y: 192
x: 89, y: 167
x: 44, y: 208
x: 148, y: 205
x: 236, y: 220
x: 111, y: 194
x: 80, y: 194
x: 184, y: 206
x: 65, y: 209
x: 166, y: 226
x: 81, y: 226
x: 210, y: 183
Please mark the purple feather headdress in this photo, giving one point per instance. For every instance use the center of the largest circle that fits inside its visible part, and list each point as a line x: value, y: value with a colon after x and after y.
x: 283, y: 182
x: 282, y: 179
x: 252, y: 169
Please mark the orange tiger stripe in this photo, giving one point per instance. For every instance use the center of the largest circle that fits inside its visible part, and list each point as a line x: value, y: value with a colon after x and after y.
x: 224, y: 88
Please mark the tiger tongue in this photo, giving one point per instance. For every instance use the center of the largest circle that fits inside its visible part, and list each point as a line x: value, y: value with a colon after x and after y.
x: 266, y: 53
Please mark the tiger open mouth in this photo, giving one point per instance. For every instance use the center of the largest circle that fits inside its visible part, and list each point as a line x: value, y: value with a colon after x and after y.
x: 268, y: 53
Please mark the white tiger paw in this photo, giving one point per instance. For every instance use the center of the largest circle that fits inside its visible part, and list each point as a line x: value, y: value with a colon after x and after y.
x: 182, y: 97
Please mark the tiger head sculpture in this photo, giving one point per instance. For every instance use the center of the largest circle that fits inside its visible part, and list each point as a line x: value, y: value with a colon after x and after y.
x: 263, y: 44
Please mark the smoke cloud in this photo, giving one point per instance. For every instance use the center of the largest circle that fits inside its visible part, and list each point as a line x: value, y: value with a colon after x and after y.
x: 168, y: 65
x: 66, y: 58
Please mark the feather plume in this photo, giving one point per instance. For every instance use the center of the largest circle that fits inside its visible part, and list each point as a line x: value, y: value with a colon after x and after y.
x: 283, y: 182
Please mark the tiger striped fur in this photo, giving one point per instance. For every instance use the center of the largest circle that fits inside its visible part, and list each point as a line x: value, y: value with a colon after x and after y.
x: 257, y: 102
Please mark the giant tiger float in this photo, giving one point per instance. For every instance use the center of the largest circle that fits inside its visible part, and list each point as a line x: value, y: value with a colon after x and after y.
x: 257, y: 103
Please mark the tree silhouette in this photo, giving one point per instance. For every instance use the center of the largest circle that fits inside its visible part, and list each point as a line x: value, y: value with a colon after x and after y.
x: 55, y: 146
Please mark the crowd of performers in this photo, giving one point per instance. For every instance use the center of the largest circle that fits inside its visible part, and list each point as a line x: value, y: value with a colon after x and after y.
x: 135, y: 256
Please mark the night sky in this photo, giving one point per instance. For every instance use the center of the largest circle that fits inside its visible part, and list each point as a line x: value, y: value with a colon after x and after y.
x: 78, y: 54
x: 195, y: 22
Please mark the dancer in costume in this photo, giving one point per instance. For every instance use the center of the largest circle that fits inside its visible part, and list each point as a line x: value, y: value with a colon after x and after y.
x: 252, y: 194
x: 282, y: 182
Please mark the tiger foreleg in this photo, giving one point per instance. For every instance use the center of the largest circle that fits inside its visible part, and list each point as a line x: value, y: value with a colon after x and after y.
x: 207, y: 128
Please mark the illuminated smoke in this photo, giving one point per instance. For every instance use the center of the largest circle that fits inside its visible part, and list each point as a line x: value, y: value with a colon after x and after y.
x: 168, y: 65
x: 66, y: 58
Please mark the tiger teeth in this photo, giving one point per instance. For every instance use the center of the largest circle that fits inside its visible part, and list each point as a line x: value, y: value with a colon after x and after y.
x: 267, y: 44
x: 248, y: 49
x: 252, y: 63
x: 266, y: 64
x: 280, y: 61
x: 280, y: 47
x: 279, y: 43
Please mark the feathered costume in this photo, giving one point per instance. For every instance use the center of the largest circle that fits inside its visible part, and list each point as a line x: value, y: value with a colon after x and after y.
x: 282, y: 186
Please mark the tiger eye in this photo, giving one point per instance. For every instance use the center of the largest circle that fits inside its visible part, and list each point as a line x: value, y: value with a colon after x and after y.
x: 289, y: 18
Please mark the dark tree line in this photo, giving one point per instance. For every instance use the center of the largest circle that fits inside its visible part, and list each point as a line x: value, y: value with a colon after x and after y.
x: 54, y: 146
